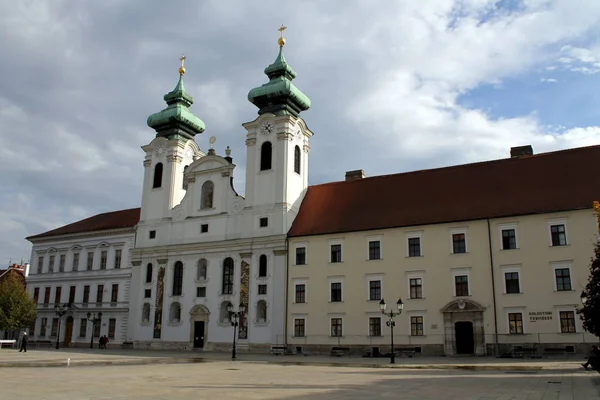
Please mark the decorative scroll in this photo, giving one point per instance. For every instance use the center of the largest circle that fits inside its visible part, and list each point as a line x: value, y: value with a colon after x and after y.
x: 244, y: 297
x: 160, y: 288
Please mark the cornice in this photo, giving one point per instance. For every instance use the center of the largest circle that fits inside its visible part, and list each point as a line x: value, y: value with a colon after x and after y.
x: 80, y: 235
x: 65, y: 277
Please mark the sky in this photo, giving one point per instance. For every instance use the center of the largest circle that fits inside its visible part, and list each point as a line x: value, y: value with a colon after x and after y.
x: 395, y: 86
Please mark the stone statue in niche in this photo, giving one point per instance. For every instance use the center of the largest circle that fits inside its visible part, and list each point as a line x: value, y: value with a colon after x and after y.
x: 207, y: 195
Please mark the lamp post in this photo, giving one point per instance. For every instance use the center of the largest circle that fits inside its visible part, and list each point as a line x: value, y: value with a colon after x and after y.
x: 234, y: 317
x: 94, y: 320
x: 60, y: 310
x: 390, y: 322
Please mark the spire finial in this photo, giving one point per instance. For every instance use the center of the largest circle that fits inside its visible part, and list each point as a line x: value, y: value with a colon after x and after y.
x: 212, y: 141
x: 182, y: 68
x: 228, y: 151
x: 281, y: 40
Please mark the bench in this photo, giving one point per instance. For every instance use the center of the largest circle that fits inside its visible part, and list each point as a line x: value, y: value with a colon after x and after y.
x: 555, y: 350
x: 8, y: 343
x: 41, y: 343
x: 405, y: 351
x: 520, y: 352
x: 340, y: 351
x: 278, y: 349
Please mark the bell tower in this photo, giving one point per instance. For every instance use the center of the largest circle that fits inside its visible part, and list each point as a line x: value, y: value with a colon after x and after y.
x: 278, y: 143
x: 172, y: 149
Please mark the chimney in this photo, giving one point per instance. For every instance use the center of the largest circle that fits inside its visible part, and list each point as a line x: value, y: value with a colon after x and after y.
x: 521, y: 151
x: 354, y: 175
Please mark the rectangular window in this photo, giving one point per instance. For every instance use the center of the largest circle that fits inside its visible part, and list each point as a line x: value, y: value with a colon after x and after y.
x: 86, y: 294
x: 416, y: 326
x: 567, y: 321
x: 336, y: 327
x: 511, y: 280
x: 300, y: 255
x: 461, y: 283
x: 99, y: 294
x: 374, y: 290
x: 374, y: 250
x: 72, y: 291
x: 36, y: 294
x: 54, y: 328
x: 97, y: 327
x: 262, y: 289
x: 414, y: 247
x: 509, y: 239
x: 264, y: 222
x: 75, y: 261
x: 40, y: 266
x: 336, y: 253
x: 559, y: 235
x: 152, y: 235
x: 201, y: 291
x: 82, y: 327
x: 114, y: 294
x: 58, y: 295
x: 204, y: 228
x: 103, y: 259
x: 43, y: 326
x: 227, y: 287
x: 563, y: 279
x: 374, y: 326
x: 301, y: 293
x: 51, y: 265
x: 459, y: 243
x: 416, y: 288
x: 336, y: 292
x: 147, y: 293
x: 61, y: 263
x: 112, y: 327
x: 90, y: 261
x: 299, y: 327
x: 118, y: 259
x: 515, y: 323
x: 32, y: 328
x: 47, y: 296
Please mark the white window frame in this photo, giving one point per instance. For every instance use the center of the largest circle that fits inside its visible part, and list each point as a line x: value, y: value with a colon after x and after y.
x: 332, y: 242
x: 207, y: 228
x: 259, y: 217
x: 330, y: 317
x: 516, y: 310
x: 562, y: 265
x: 373, y: 315
x: 304, y: 281
x: 335, y: 279
x: 415, y: 276
x: 300, y: 245
x: 557, y: 221
x: 455, y: 231
x: 578, y: 327
x: 416, y: 313
x: 459, y: 272
x: 372, y: 278
x: 508, y: 226
x: 509, y: 269
x: 305, y: 318
x: 413, y: 235
x: 374, y: 238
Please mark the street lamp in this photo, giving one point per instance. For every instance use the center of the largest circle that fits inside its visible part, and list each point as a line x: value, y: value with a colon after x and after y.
x: 234, y: 317
x: 391, y: 323
x: 60, y: 310
x: 94, y: 320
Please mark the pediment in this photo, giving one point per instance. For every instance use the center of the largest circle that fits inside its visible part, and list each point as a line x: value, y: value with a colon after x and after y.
x: 462, y: 305
x: 208, y: 163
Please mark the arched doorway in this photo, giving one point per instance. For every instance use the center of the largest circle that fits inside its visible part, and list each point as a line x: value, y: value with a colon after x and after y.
x: 463, y: 328
x: 68, y: 331
x: 199, y: 326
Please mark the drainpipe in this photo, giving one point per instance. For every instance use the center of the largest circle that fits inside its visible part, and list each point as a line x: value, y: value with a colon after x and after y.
x: 493, y: 289
x: 287, y: 268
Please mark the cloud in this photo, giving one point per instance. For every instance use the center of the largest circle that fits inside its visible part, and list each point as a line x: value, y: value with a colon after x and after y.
x: 78, y: 80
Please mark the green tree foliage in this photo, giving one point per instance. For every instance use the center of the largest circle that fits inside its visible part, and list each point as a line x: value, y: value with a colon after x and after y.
x: 17, y: 309
x: 590, y: 311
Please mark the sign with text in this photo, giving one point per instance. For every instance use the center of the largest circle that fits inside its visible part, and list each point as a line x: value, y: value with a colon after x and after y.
x: 540, y: 316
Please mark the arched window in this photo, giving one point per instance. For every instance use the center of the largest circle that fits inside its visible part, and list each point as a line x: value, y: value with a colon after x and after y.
x: 184, y: 182
x: 178, y: 279
x: 297, y: 159
x: 227, y: 287
x: 202, y: 267
x: 175, y: 313
x: 206, y: 201
x: 146, y: 312
x: 266, y: 156
x: 261, y: 311
x: 148, y: 273
x: 262, y: 266
x: 158, y: 172
x: 223, y: 313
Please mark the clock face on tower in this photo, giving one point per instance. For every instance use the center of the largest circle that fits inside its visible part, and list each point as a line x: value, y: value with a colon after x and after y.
x: 266, y: 127
x: 160, y: 150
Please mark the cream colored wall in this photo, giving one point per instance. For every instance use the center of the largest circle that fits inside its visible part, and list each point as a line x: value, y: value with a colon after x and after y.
x: 437, y: 266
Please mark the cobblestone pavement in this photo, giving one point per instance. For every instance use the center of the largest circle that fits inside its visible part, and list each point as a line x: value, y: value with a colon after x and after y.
x: 231, y: 380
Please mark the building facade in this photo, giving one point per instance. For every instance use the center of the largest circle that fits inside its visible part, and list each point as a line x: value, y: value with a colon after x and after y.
x: 480, y: 267
x: 85, y: 268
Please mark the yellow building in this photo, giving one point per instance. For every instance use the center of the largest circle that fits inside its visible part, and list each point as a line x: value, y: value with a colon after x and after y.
x: 484, y: 256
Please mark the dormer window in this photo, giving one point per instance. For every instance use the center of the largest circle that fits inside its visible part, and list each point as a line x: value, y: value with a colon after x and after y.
x: 266, y: 156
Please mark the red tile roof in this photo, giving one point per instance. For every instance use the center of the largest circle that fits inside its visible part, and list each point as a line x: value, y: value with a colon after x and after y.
x: 101, y: 222
x: 544, y: 183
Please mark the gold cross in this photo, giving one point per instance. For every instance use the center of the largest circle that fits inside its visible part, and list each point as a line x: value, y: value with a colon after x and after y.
x: 281, y: 40
x: 182, y: 68
x: 283, y: 28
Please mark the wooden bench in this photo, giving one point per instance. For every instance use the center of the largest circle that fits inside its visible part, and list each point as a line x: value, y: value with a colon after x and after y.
x: 520, y: 352
x: 41, y: 343
x: 405, y: 351
x: 340, y: 351
x: 278, y: 349
x: 8, y: 343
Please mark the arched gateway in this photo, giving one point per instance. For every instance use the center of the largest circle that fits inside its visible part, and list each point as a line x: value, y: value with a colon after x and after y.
x: 463, y: 328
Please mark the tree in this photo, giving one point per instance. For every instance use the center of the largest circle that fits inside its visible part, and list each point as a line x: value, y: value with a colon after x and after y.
x: 590, y: 311
x: 17, y: 309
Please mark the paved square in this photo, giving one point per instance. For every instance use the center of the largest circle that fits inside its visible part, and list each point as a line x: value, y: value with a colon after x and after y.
x: 231, y: 380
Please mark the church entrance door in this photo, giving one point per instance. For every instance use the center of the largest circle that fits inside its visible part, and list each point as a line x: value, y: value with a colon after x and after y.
x: 465, y: 339
x: 68, y: 331
x: 198, y: 334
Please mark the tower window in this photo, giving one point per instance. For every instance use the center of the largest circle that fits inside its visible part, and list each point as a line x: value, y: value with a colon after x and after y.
x: 208, y: 189
x: 262, y: 266
x: 297, y: 159
x: 158, y: 172
x: 152, y: 235
x: 204, y: 228
x: 263, y: 222
x: 266, y: 156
